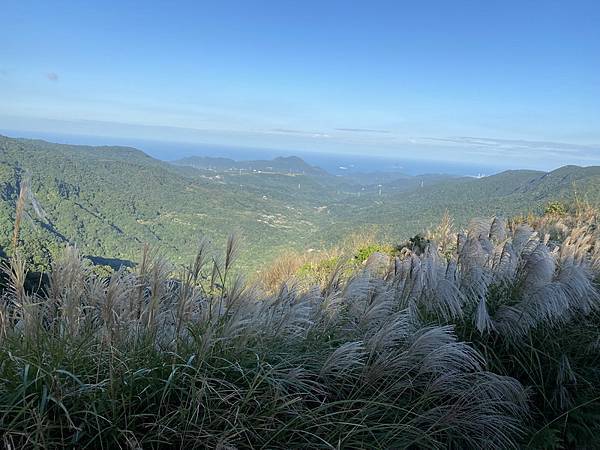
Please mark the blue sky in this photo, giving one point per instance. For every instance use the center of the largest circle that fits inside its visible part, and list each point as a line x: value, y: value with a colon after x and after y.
x: 446, y: 80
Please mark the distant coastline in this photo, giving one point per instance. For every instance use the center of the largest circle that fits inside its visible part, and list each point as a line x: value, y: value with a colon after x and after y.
x: 334, y: 163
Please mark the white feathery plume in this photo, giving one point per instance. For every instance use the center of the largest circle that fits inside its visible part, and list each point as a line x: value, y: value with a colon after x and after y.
x: 391, y: 333
x: 479, y: 227
x: 538, y: 267
x: 67, y: 286
x: 346, y: 358
x: 482, y: 319
x: 521, y: 236
x: 498, y: 232
x: 505, y: 263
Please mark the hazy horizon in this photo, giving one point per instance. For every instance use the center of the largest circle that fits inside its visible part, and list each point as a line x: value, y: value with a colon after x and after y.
x: 332, y: 162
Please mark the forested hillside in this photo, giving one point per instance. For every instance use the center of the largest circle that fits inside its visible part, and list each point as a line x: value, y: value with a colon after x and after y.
x: 111, y: 200
x: 505, y: 194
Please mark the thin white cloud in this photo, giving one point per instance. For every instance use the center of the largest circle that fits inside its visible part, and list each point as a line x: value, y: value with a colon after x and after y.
x: 492, y: 146
x: 363, y: 130
x: 315, y: 134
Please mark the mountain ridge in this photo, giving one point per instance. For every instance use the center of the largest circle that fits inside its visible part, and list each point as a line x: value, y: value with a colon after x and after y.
x: 282, y: 164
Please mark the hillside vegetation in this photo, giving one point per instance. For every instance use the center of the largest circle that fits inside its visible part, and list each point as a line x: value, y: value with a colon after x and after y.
x: 488, y: 338
x: 110, y: 201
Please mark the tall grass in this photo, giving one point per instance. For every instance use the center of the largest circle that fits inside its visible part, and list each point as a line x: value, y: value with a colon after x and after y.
x: 203, y: 360
x: 526, y: 296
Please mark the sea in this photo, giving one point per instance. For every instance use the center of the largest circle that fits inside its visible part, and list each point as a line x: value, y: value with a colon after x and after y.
x: 334, y: 163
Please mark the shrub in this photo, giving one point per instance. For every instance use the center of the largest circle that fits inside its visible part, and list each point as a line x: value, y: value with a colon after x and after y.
x: 555, y: 208
x: 363, y: 253
x: 416, y: 244
x: 319, y: 270
x: 283, y: 268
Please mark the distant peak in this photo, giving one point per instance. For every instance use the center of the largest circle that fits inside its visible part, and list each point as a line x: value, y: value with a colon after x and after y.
x: 289, y: 159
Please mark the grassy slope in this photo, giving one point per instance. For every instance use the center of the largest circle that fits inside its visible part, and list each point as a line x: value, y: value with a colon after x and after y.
x: 490, y: 345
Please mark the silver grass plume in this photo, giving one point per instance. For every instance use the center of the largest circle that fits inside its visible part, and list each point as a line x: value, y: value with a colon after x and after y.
x: 67, y: 290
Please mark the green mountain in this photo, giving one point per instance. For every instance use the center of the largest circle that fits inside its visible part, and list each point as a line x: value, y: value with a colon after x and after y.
x: 281, y: 164
x: 505, y: 194
x: 112, y: 200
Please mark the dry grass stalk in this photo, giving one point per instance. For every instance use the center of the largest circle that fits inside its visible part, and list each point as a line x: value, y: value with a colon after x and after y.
x: 20, y: 210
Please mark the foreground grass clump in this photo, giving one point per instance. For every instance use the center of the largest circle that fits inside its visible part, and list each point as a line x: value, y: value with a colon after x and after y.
x: 143, y: 360
x: 525, y: 295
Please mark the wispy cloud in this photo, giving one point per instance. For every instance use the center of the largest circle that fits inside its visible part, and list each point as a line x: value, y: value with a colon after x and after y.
x: 518, y: 147
x: 316, y: 134
x: 52, y: 76
x: 363, y: 130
